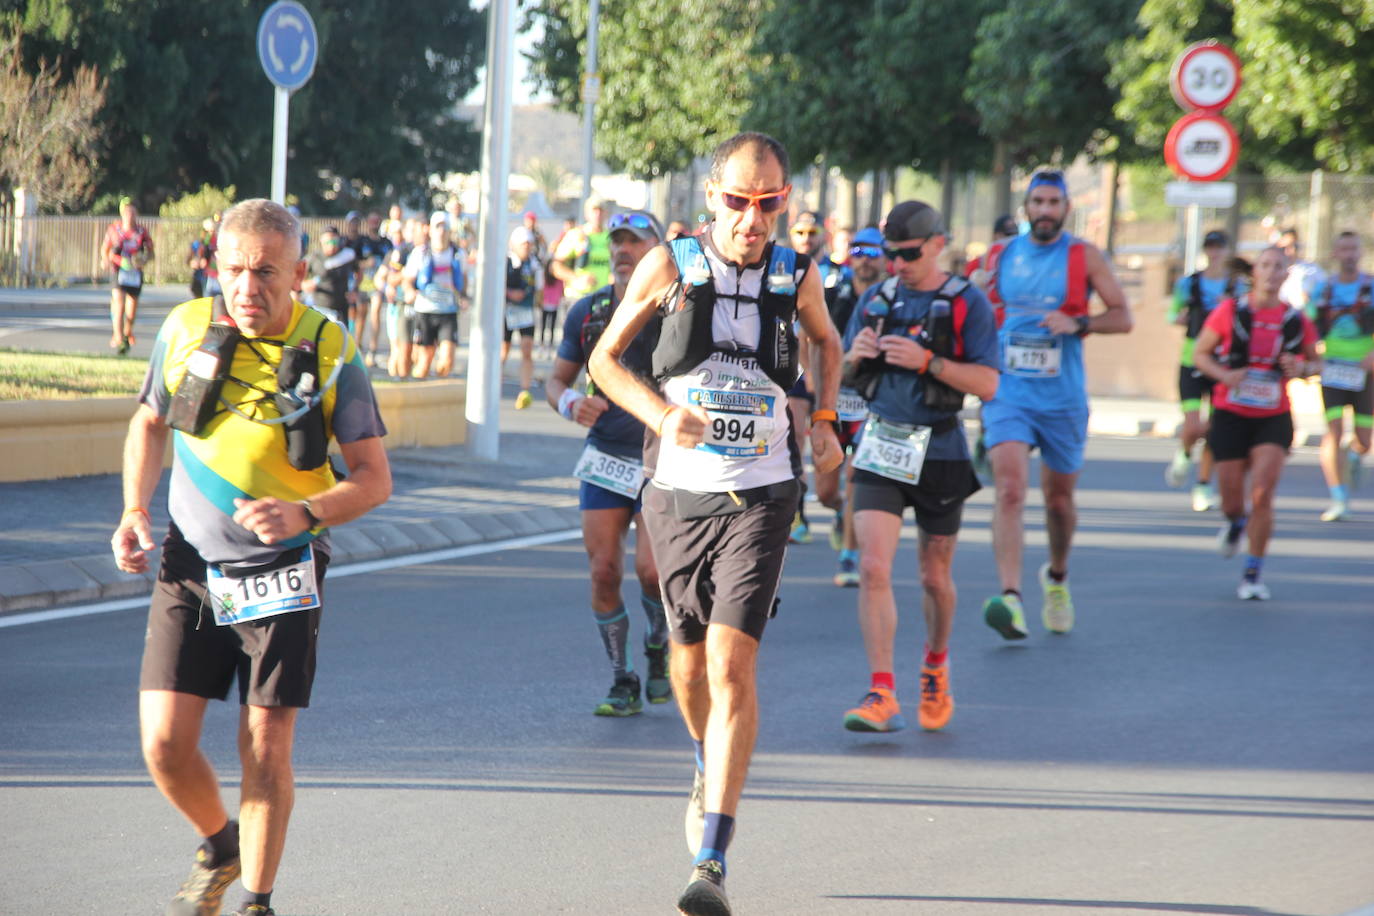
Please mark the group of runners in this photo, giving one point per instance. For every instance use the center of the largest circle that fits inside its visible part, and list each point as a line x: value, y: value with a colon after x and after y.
x: 712, y: 362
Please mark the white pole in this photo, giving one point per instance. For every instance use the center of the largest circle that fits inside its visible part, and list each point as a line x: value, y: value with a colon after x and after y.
x: 588, y: 105
x: 1192, y: 239
x: 281, y: 103
x: 1310, y: 250
x: 484, y: 367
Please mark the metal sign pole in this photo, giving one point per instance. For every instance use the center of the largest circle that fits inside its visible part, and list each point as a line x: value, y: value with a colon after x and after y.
x: 1192, y: 239
x: 484, y: 366
x: 591, y: 93
x: 280, y: 107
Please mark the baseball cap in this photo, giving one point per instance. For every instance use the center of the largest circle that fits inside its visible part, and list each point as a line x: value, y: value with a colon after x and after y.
x: 912, y: 219
x: 521, y: 234
x: 1216, y: 238
x: 808, y: 219
x: 868, y: 235
x: 645, y: 226
x: 438, y: 218
x: 351, y: 215
x: 1005, y: 225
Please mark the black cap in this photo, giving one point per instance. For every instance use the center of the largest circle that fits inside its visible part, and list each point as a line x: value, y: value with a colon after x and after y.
x: 1005, y: 225
x: 1216, y: 237
x: 912, y: 219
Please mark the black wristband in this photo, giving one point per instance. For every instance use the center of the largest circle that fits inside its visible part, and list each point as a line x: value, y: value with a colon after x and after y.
x: 310, y: 516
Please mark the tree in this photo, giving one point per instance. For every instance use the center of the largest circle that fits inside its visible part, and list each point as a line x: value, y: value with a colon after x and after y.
x: 676, y: 74
x: 47, y: 129
x: 188, y: 103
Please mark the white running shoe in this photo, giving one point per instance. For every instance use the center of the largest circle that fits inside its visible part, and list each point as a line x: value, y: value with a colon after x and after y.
x: 1176, y: 474
x: 1057, y: 614
x: 1338, y: 512
x: 1228, y: 539
x: 1204, y: 498
x: 1252, y: 591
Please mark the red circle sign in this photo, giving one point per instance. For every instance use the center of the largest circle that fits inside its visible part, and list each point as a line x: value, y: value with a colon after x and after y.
x: 1206, y: 76
x: 1202, y: 146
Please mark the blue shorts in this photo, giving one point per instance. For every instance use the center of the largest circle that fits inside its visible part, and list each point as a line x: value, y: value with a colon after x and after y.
x: 1061, y: 435
x: 590, y: 496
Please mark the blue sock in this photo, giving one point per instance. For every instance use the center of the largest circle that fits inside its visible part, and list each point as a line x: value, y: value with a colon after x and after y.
x: 849, y: 555
x: 1338, y: 493
x: 615, y: 632
x: 701, y: 755
x: 1252, y: 567
x: 716, y: 839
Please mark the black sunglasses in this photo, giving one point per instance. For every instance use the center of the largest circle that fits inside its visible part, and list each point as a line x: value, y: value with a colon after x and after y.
x: 904, y: 254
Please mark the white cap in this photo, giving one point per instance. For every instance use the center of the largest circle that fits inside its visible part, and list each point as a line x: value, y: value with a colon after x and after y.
x: 438, y: 218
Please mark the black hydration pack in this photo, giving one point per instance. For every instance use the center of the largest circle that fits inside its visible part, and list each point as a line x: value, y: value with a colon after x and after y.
x: 299, y: 391
x: 941, y: 333
x: 1197, y: 309
x: 1242, y: 323
x: 685, y: 337
x: 1362, y: 309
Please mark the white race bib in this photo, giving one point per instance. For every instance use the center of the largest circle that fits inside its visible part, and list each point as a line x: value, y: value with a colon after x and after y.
x: 740, y: 422
x: 519, y: 317
x: 130, y: 276
x: 1033, y: 357
x: 441, y: 297
x: 892, y: 451
x: 1260, y: 389
x: 1343, y: 374
x: 851, y: 408
x: 237, y: 599
x: 619, y: 475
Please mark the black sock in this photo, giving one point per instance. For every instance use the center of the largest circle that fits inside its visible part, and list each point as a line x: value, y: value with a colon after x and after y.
x: 1011, y: 591
x: 224, y: 845
x: 262, y: 900
x: 1056, y: 577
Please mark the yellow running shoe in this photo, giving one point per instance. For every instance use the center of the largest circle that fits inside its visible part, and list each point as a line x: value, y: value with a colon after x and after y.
x: 1058, y: 610
x: 523, y: 400
x: 878, y: 711
x: 937, y: 704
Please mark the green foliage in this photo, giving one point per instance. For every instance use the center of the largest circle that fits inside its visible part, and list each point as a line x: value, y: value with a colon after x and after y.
x: 1038, y: 76
x: 200, y: 204
x: 188, y: 103
x: 676, y: 74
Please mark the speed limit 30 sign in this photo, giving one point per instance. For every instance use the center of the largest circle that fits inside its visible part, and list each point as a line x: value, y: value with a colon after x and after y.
x: 1206, y: 76
x: 1202, y: 145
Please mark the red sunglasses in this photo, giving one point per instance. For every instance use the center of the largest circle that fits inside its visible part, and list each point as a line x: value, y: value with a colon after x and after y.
x: 767, y: 202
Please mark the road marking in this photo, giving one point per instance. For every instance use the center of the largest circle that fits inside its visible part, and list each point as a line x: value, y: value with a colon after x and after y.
x: 350, y: 569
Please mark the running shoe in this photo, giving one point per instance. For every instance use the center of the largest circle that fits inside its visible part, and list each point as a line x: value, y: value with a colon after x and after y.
x: 1176, y: 474
x: 657, y: 687
x: 1354, y: 469
x: 1057, y: 613
x: 255, y: 909
x: 1204, y: 498
x: 837, y: 533
x: 622, y: 699
x: 1252, y: 591
x: 523, y: 400
x: 878, y: 711
x: 847, y: 576
x: 1228, y: 538
x: 800, y: 534
x: 980, y: 458
x: 704, y: 894
x: 937, y: 704
x: 1338, y: 512
x: 1004, y: 614
x: 203, y: 889
x: 694, y: 824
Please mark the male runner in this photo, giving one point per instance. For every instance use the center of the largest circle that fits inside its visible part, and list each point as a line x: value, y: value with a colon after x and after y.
x: 1303, y: 276
x: 1343, y: 311
x: 1194, y: 298
x: 1042, y: 280
x: 931, y: 339
x: 331, y: 275
x: 724, y: 480
x: 522, y: 294
x: 611, y: 472
x: 434, y: 281
x: 584, y: 263
x: 126, y: 249
x: 376, y: 246
x: 867, y: 265
x: 242, y: 569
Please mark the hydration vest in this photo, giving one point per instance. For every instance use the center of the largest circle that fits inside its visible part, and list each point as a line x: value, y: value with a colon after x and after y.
x: 1242, y: 322
x: 425, y: 275
x: 941, y: 332
x: 685, y: 338
x: 1076, y: 289
x: 1362, y: 308
x: 1197, y: 309
x: 300, y: 391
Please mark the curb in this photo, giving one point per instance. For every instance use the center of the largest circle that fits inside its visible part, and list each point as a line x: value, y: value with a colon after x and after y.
x: 53, y: 583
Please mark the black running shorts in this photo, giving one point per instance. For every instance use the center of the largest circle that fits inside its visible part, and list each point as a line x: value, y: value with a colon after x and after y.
x: 1361, y: 401
x: 721, y: 569
x: 185, y: 651
x: 431, y: 328
x: 1232, y: 436
x: 1193, y: 385
x: 937, y: 498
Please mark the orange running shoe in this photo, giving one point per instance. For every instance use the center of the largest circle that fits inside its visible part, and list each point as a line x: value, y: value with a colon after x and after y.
x: 879, y: 711
x: 937, y: 705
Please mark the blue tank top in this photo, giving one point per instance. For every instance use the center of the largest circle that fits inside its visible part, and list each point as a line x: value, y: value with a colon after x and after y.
x: 1040, y: 370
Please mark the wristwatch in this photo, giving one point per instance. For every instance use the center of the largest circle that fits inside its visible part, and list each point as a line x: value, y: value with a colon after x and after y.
x: 826, y: 416
x: 310, y: 516
x: 1083, y: 325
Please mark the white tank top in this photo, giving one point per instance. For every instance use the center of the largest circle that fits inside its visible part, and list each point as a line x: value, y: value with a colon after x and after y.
x: 746, y: 443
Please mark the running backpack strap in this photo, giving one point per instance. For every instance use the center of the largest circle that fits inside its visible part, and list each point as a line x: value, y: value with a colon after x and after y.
x: 778, y: 352
x: 1076, y: 289
x: 1364, y: 301
x: 993, y: 261
x: 1292, y: 330
x: 684, y: 336
x: 1242, y: 320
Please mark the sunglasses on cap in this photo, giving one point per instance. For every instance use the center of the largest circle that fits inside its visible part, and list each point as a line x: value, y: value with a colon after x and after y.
x: 803, y: 230
x: 767, y: 202
x: 631, y: 221
x: 866, y: 251
x: 904, y: 254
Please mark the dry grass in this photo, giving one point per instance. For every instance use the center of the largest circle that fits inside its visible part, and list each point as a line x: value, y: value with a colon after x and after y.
x: 28, y: 376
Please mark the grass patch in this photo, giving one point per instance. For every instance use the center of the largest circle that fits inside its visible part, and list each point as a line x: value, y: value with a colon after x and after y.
x: 29, y: 376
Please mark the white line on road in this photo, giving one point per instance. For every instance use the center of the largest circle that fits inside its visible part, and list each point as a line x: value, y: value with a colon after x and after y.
x: 351, y: 569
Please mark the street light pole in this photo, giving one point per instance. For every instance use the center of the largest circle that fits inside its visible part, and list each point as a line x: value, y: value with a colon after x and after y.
x: 591, y: 92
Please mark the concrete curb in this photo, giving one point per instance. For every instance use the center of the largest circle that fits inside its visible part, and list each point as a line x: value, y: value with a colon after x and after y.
x: 53, y: 583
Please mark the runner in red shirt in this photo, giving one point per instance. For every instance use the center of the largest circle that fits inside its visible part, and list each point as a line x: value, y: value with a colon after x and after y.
x: 126, y: 249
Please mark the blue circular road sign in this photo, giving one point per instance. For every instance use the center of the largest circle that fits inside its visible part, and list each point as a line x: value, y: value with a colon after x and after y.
x: 287, y: 44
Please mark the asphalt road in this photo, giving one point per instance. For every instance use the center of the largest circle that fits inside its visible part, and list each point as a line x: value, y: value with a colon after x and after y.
x: 1180, y: 752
